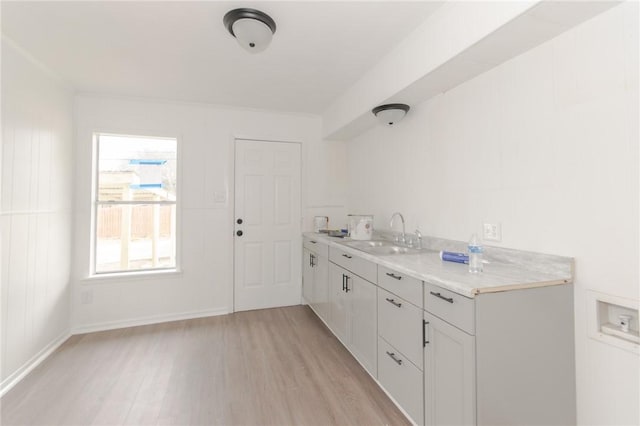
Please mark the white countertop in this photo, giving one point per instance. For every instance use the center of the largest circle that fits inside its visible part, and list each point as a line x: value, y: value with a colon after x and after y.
x: 507, y: 269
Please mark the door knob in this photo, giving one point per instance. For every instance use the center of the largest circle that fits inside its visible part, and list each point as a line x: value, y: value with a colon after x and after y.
x: 239, y: 221
x: 239, y: 233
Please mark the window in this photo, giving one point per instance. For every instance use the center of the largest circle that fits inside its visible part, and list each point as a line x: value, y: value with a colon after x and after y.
x: 134, y: 203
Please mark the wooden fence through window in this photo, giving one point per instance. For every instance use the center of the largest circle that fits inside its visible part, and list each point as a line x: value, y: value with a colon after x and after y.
x: 110, y: 222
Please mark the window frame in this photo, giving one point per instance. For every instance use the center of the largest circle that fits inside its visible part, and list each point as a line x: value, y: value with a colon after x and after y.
x: 95, y: 203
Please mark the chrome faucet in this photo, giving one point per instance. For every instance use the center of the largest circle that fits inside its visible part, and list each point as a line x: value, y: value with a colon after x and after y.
x: 403, y: 239
x: 419, y: 237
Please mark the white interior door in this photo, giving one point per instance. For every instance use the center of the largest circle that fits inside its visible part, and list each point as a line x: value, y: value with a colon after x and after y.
x: 267, y: 263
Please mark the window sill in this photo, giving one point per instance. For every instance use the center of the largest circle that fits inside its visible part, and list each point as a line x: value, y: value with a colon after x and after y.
x: 133, y: 276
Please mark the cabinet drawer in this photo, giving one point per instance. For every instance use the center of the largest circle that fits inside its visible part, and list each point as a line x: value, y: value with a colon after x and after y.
x: 400, y: 324
x: 401, y: 379
x: 400, y: 284
x: 451, y: 307
x: 318, y: 247
x: 357, y: 265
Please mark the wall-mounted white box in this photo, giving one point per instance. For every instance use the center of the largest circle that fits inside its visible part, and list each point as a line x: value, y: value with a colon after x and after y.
x: 613, y: 320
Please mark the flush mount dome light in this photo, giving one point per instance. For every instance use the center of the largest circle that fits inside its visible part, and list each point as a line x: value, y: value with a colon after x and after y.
x: 252, y: 28
x: 390, y: 114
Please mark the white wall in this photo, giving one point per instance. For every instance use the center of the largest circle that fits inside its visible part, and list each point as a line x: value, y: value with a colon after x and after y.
x: 37, y: 158
x: 547, y: 145
x: 206, y: 139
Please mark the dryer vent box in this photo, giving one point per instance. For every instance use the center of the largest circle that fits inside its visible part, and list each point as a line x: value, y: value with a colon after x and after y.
x: 614, y: 320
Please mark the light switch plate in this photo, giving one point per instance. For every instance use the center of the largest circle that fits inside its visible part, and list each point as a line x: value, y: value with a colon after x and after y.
x: 492, y: 232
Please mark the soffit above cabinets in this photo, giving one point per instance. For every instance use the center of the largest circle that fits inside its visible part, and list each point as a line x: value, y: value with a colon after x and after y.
x: 456, y: 43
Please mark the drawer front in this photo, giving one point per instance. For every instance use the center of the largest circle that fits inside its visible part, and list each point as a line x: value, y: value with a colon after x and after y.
x: 400, y: 324
x: 408, y: 288
x: 451, y: 307
x: 318, y: 247
x: 357, y: 265
x: 401, y: 379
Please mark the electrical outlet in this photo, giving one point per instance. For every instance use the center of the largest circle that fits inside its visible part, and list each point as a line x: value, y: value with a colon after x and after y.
x: 491, y: 232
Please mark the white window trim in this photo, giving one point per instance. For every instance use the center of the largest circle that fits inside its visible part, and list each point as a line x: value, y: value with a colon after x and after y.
x: 138, y: 273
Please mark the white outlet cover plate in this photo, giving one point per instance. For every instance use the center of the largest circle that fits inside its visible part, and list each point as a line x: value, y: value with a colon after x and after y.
x: 492, y: 232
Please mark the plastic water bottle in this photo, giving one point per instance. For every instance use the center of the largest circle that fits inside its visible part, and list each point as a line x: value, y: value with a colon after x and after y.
x: 475, y: 255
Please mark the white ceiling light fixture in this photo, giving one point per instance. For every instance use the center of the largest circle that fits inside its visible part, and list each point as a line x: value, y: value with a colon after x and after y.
x: 252, y: 28
x: 390, y: 114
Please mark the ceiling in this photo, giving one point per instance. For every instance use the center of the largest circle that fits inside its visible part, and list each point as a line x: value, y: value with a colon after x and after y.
x: 181, y: 50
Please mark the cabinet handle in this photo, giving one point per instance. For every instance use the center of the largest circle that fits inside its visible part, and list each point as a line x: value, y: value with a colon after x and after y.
x: 393, y: 302
x: 438, y: 295
x: 347, y: 283
x: 347, y: 256
x: 344, y: 280
x: 392, y: 355
x: 392, y: 275
x: 312, y: 242
x: 313, y: 258
x: 424, y: 333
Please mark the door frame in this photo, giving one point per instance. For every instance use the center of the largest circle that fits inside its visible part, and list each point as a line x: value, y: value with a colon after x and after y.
x: 232, y: 200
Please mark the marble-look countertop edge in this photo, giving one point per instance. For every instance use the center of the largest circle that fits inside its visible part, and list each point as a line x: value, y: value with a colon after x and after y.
x: 464, y: 289
x: 498, y: 289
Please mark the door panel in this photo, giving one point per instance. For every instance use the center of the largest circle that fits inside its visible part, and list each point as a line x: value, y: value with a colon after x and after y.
x: 267, y: 268
x: 282, y: 193
x: 282, y: 262
x: 449, y: 380
x: 339, y: 311
x: 321, y: 288
x: 253, y: 271
x: 307, y: 276
x: 363, y: 323
x: 253, y: 200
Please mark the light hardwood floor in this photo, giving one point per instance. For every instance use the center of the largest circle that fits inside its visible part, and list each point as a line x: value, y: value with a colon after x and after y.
x: 268, y: 367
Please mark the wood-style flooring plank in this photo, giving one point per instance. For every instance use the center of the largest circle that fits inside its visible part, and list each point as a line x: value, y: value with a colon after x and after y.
x: 268, y: 367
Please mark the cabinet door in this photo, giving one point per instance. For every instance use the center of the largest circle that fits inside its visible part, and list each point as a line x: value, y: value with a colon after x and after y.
x: 362, y: 297
x: 449, y: 374
x: 321, y: 288
x: 307, y: 275
x: 339, y: 310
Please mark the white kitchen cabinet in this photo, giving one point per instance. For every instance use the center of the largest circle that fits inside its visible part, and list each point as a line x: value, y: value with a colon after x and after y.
x: 401, y: 379
x: 308, y: 275
x: 502, y: 358
x: 315, y: 270
x: 354, y: 314
x: 363, y: 315
x: 338, y: 302
x: 410, y: 289
x: 449, y: 374
x: 359, y: 266
x: 400, y: 353
x: 400, y: 324
x: 486, y: 358
x: 320, y: 293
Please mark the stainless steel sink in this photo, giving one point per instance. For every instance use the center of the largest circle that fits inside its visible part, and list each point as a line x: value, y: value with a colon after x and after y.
x: 365, y: 245
x: 382, y: 247
x: 385, y: 250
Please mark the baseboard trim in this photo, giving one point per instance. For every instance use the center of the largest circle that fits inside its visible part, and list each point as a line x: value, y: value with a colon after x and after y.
x: 157, y: 319
x: 30, y: 365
